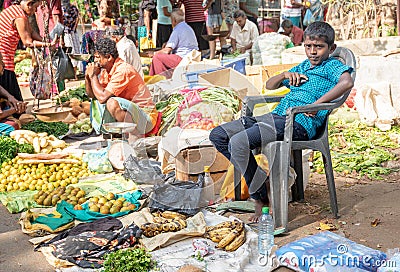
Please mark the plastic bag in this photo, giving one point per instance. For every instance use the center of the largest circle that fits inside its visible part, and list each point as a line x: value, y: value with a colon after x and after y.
x: 40, y: 82
x: 224, y: 26
x: 143, y: 171
x: 98, y: 161
x: 308, y: 18
x: 63, y: 64
x: 145, y: 43
x: 182, y: 197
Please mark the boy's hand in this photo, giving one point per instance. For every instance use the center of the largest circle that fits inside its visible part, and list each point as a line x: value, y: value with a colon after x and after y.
x: 311, y: 114
x: 295, y: 79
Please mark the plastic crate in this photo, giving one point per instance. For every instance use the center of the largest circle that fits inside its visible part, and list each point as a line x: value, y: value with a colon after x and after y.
x: 238, y: 65
x: 193, y: 77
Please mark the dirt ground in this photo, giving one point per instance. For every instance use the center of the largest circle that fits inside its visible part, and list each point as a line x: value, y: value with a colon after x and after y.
x: 361, y: 201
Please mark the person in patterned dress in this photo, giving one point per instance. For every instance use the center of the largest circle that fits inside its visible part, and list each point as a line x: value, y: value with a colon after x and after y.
x: 71, y: 15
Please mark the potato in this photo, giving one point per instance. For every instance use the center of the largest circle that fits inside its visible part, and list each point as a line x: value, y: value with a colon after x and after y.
x: 86, y: 107
x: 74, y: 102
x: 22, y: 132
x: 76, y: 110
x: 43, y: 142
x: 26, y: 118
x: 82, y: 116
x: 70, y: 119
x: 36, y: 144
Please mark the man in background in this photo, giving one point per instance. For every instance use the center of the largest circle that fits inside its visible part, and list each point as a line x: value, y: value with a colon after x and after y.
x: 182, y: 42
x: 127, y: 50
x: 243, y: 34
x: 293, y: 32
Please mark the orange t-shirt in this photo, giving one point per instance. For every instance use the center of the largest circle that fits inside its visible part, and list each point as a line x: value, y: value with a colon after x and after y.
x: 125, y: 82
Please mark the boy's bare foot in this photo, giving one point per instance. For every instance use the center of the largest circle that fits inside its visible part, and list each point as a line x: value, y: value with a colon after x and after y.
x: 258, y: 205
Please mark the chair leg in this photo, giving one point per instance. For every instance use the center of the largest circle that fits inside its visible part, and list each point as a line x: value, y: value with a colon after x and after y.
x: 278, y: 177
x: 331, y: 183
x: 298, y: 189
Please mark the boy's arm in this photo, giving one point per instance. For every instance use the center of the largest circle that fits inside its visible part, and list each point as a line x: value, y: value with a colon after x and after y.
x: 345, y: 83
x: 276, y: 81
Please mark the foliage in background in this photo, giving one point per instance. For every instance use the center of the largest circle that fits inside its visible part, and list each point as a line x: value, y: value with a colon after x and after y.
x: 355, y: 19
x: 128, y: 9
x: 359, y: 149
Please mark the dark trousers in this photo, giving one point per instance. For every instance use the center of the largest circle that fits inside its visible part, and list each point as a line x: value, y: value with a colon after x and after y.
x: 199, y: 29
x: 236, y: 140
x: 163, y: 34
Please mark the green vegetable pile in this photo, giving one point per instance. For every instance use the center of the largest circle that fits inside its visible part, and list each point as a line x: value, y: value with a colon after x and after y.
x: 77, y: 92
x: 52, y: 128
x: 359, y: 149
x: 169, y: 107
x: 9, y: 148
x: 232, y: 55
x: 23, y: 67
x: 129, y: 260
x: 83, y: 125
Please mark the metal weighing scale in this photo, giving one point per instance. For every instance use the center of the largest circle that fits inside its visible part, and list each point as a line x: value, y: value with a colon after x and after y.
x: 116, y: 135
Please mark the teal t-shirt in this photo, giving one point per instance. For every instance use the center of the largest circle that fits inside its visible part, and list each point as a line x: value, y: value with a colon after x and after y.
x: 251, y: 5
x: 162, y: 19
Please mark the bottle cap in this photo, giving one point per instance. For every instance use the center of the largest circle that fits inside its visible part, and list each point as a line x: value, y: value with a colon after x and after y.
x: 265, y: 210
x: 207, y: 169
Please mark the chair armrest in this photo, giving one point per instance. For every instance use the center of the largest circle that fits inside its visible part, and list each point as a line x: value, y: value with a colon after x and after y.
x: 292, y: 112
x: 312, y: 107
x: 249, y: 102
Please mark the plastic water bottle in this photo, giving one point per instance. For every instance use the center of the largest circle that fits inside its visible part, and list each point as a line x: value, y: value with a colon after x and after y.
x: 265, y: 232
x: 208, y: 189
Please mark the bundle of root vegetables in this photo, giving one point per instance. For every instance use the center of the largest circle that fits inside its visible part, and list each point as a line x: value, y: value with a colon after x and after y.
x: 41, y: 142
x: 80, y: 110
x: 166, y: 221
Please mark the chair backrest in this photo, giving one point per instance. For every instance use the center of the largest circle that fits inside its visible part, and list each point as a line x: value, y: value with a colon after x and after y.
x: 347, y: 57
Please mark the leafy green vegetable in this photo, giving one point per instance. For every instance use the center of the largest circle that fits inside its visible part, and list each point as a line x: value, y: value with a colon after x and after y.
x: 357, y: 148
x: 129, y: 260
x: 9, y: 148
x: 52, y: 128
x: 77, y: 92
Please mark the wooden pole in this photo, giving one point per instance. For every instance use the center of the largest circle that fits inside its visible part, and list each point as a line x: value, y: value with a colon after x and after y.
x: 398, y: 17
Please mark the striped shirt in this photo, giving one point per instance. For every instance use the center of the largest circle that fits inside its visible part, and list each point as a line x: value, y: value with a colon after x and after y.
x: 9, y: 35
x: 194, y: 11
x: 321, y: 79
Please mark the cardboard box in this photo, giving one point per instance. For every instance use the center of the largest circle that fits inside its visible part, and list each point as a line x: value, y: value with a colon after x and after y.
x: 272, y: 70
x: 230, y: 78
x: 257, y: 75
x: 192, y: 160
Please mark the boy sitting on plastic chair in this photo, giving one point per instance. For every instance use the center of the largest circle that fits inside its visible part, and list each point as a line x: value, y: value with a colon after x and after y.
x: 316, y: 80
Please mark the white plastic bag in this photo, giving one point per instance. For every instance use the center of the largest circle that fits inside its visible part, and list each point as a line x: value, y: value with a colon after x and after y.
x: 374, y: 105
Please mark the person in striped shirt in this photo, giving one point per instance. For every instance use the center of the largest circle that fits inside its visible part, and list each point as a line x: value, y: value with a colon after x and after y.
x: 13, y: 27
x: 194, y: 17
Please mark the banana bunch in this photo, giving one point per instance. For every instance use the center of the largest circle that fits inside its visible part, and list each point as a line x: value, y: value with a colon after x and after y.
x: 164, y: 222
x: 229, y: 235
